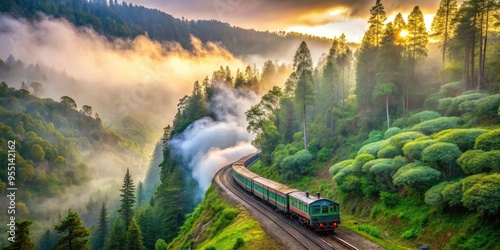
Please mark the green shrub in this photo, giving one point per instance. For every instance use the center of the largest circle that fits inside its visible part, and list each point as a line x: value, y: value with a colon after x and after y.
x: 374, y: 136
x: 338, y: 166
x: 367, y: 166
x: 434, y: 196
x: 444, y: 105
x: 350, y: 183
x: 416, y: 175
x: 488, y: 106
x: 478, y: 161
x: 442, y: 155
x: 370, y: 230
x: 488, y: 141
x: 369, y: 187
x: 468, y: 106
x: 422, y: 117
x: 389, y: 199
x: 454, y: 109
x: 401, y: 139
x: 452, y: 194
x: 239, y: 243
x: 343, y: 173
x: 411, y: 233
x: 371, y: 148
x: 451, y: 89
x: 463, y: 138
x: 224, y: 219
x: 436, y: 125
x: 399, y: 161
x: 432, y: 101
x: 389, y: 152
x: 484, y: 195
x: 392, y: 131
x: 324, y: 154
x: 294, y: 166
x: 413, y: 150
x: 359, y: 161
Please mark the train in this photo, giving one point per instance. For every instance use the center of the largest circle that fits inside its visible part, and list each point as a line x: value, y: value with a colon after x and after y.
x: 314, y: 212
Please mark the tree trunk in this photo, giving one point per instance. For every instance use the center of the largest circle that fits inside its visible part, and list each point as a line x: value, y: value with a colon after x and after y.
x: 387, y: 111
x: 485, y: 44
x: 305, y: 134
x: 480, y: 62
x: 445, y: 42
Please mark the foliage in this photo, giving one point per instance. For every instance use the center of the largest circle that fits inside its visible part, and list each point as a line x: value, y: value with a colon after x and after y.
x: 434, y: 196
x: 22, y: 237
x: 463, y: 138
x: 401, y: 139
x: 239, y: 243
x: 436, y: 125
x: 416, y: 175
x: 422, y: 116
x: 483, y: 195
x: 488, y: 141
x: 442, y: 155
x: 161, y: 245
x: 369, y: 165
x: 389, y: 199
x: 370, y: 230
x: 478, y: 161
x: 339, y: 166
x: 371, y: 148
x: 413, y: 150
x: 127, y: 191
x: 389, y: 152
x: 294, y: 166
x: 452, y: 89
x: 134, y: 237
x: 487, y: 107
x: 359, y: 161
x: 350, y: 183
x: 391, y: 132
x: 73, y: 235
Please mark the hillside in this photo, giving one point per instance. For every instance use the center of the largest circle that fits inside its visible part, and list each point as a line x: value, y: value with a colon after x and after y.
x: 58, y: 151
x: 127, y: 21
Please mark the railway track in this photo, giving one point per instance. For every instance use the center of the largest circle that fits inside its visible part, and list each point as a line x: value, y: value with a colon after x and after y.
x: 304, y: 238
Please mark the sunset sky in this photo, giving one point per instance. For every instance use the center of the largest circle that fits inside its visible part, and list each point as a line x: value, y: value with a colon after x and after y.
x: 318, y: 17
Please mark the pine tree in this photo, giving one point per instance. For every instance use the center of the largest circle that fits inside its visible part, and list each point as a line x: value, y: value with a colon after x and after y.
x: 126, y: 210
x: 23, y: 238
x: 304, y: 94
x: 373, y: 36
x: 134, y: 237
x: 116, y: 240
x: 442, y: 27
x: 418, y: 39
x: 102, y: 230
x: 73, y: 235
x: 140, y: 194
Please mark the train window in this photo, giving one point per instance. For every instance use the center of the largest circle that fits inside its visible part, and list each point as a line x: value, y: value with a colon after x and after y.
x: 315, y: 209
x: 324, y: 209
x: 333, y: 208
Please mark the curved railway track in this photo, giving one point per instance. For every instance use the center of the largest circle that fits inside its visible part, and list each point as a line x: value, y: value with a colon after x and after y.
x: 304, y: 238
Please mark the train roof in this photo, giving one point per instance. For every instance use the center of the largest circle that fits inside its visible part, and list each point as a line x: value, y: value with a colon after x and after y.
x: 275, y: 185
x: 310, y: 199
x: 243, y: 171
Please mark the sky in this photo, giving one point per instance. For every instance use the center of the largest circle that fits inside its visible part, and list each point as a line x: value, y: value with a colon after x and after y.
x: 328, y: 18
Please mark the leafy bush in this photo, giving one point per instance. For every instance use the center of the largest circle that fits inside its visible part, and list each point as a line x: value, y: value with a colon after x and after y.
x: 488, y: 141
x: 422, y: 117
x: 434, y: 196
x: 436, y: 125
x: 413, y: 150
x: 389, y: 152
x: 294, y: 166
x: 478, y: 161
x: 367, y: 166
x: 484, y: 195
x: 463, y: 138
x: 371, y: 148
x: 389, y: 199
x: 392, y: 131
x: 432, y: 101
x: 343, y: 173
x: 451, y: 89
x: 350, y: 183
x: 467, y: 106
x: 338, y: 166
x: 369, y: 187
x: 401, y: 139
x: 452, y: 194
x: 324, y: 154
x: 411, y: 233
x: 224, y: 219
x: 374, y: 136
x: 370, y: 230
x: 239, y: 243
x: 444, y: 105
x: 416, y: 175
x: 443, y: 155
x: 360, y: 160
x: 488, y: 106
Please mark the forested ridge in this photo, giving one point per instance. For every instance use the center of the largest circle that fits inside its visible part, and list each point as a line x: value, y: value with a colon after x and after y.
x: 115, y: 19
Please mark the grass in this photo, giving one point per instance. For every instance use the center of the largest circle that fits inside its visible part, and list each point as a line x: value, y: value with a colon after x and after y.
x: 217, y: 224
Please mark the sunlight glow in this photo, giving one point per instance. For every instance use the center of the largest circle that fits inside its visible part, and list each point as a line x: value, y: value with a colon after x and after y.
x: 403, y: 33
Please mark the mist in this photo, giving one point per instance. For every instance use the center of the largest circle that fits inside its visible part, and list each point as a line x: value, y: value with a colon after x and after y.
x: 207, y: 145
